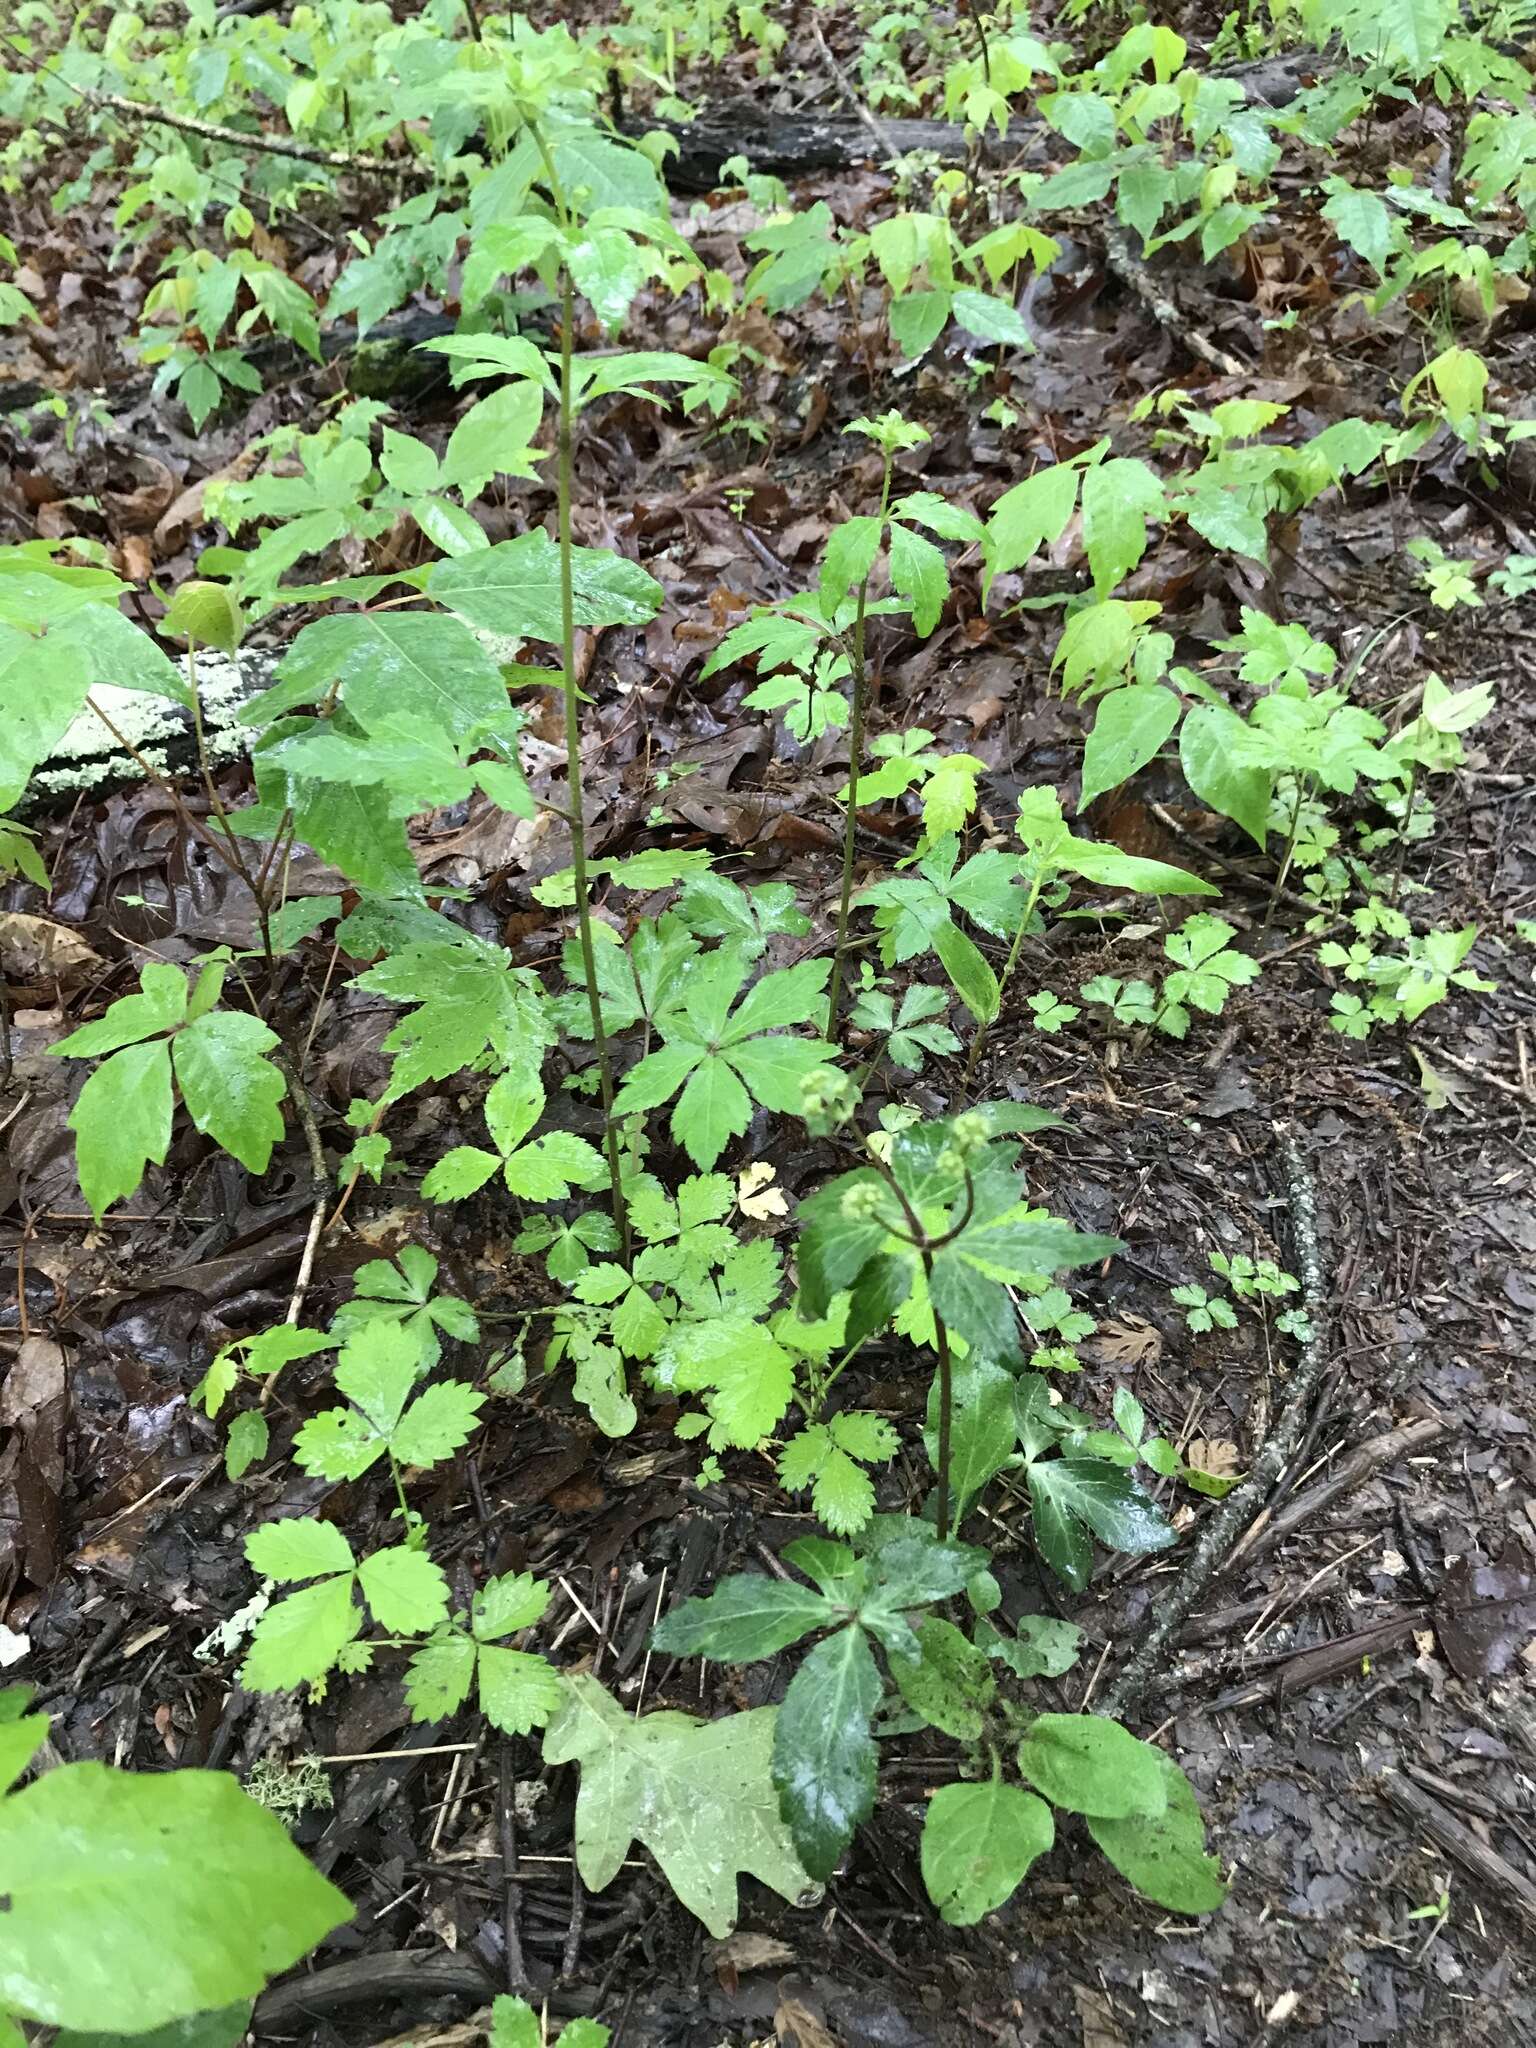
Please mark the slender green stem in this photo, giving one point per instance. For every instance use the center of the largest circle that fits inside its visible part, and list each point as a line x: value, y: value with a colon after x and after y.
x: 946, y: 1411
x: 925, y: 1246
x: 1402, y: 836
x: 855, y: 755
x: 1290, y: 853
x: 850, y: 818
x: 578, y: 826
x: 980, y: 1037
x: 405, y: 1511
x: 577, y: 819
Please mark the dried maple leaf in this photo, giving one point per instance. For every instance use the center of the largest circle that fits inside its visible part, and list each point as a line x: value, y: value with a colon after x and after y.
x: 1217, y: 1455
x: 1129, y: 1341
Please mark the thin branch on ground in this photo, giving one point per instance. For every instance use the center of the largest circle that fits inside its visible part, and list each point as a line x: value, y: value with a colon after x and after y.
x: 1213, y: 1548
x: 269, y: 145
x: 1133, y: 273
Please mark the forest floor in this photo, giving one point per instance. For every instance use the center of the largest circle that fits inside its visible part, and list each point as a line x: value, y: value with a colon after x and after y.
x: 1334, y: 1778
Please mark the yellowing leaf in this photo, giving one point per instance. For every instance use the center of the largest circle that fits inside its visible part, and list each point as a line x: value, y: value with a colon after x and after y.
x: 756, y: 1196
x: 697, y: 1794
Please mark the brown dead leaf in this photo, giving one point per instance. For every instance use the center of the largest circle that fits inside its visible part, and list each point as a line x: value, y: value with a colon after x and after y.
x: 1129, y: 1341
x: 745, y: 1952
x: 187, y: 509
x: 34, y: 1401
x: 36, y: 949
x: 137, y: 555
x: 150, y: 488
x: 795, y: 2026
x: 1097, y: 2016
x: 1217, y: 1455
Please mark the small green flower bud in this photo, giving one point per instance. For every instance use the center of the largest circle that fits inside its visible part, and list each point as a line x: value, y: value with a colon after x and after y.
x: 860, y: 1204
x: 969, y: 1132
x: 827, y: 1100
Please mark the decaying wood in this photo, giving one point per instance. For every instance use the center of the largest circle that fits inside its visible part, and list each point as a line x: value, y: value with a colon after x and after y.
x: 1315, y: 1666
x: 1213, y: 1546
x: 1458, y: 1841
x: 1368, y: 1458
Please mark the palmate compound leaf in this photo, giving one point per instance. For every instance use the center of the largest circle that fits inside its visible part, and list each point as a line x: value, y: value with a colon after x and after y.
x: 469, y: 1000
x: 744, y: 1374
x: 130, y: 1900
x: 978, y: 1843
x: 697, y: 1794
x: 518, y: 1690
x: 377, y: 1370
x: 723, y: 1061
x: 1164, y: 1855
x: 514, y: 2024
x: 829, y: 1457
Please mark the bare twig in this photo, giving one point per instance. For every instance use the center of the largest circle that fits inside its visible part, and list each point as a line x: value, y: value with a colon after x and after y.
x: 1213, y: 1546
x: 512, y: 1890
x: 1458, y: 1840
x: 846, y: 91
x: 1268, y: 1529
x: 270, y: 145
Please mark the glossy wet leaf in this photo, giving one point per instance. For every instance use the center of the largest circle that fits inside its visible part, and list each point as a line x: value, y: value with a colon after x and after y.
x: 1164, y: 1854
x: 746, y: 1617
x: 1074, y: 1498
x: 697, y: 1794
x: 948, y: 1682
x: 1088, y: 1764
x: 824, y: 1758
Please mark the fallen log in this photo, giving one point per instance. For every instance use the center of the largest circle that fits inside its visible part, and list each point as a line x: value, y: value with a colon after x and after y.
x: 791, y: 146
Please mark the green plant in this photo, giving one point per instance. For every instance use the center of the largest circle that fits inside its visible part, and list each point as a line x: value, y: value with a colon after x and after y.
x: 979, y: 1840
x: 1204, y: 1311
x: 162, y: 1042
x: 515, y: 2024
x: 681, y: 1012
x: 133, y: 1901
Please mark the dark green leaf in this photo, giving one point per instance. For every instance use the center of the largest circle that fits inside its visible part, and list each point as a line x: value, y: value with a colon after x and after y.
x: 1091, y: 1494
x: 882, y: 1287
x: 982, y: 1430
x: 948, y: 1682
x: 824, y: 1759
x: 746, y: 1617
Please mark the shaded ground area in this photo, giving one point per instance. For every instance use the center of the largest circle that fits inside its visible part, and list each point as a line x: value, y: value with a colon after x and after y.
x: 1354, y: 1698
